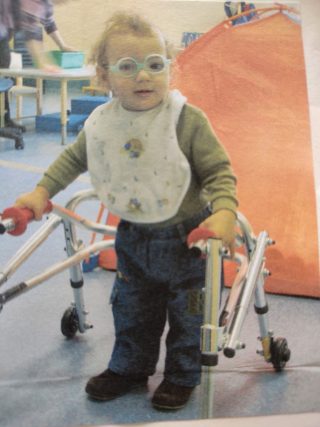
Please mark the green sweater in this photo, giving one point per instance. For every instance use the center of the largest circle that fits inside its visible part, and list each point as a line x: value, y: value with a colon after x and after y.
x: 212, y: 179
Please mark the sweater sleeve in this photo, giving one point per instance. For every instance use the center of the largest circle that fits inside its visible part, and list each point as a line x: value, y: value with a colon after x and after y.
x: 210, y: 163
x: 47, y: 20
x: 32, y: 14
x: 67, y: 167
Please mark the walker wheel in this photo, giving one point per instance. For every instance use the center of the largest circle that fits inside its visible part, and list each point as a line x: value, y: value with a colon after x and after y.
x: 280, y: 353
x: 19, y: 144
x: 70, y: 322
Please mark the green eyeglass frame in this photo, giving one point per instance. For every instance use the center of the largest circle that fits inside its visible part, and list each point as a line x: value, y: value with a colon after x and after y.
x: 129, y: 67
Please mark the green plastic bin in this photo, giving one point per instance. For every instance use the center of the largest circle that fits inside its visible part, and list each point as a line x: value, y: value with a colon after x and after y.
x: 67, y: 59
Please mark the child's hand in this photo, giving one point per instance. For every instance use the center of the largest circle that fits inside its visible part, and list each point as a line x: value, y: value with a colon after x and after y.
x: 222, y: 224
x: 36, y: 201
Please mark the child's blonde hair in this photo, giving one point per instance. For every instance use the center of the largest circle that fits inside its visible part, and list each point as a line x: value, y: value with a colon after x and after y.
x: 123, y: 23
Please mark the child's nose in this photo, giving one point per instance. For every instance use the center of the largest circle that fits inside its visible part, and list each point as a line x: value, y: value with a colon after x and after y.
x: 142, y: 75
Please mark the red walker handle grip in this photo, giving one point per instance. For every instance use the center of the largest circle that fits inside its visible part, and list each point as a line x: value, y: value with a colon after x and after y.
x: 21, y: 217
x: 199, y: 233
x: 196, y: 239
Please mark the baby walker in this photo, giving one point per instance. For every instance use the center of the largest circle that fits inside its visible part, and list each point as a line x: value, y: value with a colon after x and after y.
x: 221, y: 327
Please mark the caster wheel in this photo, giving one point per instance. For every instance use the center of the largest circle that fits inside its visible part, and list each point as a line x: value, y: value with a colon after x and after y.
x: 69, y: 322
x: 280, y: 353
x: 19, y: 144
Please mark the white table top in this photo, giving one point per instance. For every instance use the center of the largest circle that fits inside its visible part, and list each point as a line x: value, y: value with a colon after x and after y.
x: 65, y: 74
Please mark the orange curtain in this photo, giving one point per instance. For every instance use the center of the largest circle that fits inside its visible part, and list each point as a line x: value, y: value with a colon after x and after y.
x: 250, y: 81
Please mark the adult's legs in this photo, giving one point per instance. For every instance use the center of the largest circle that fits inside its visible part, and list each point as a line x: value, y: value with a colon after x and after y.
x: 5, y: 63
x: 5, y: 57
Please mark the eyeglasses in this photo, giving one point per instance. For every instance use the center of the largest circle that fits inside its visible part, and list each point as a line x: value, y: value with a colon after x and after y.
x: 129, y: 67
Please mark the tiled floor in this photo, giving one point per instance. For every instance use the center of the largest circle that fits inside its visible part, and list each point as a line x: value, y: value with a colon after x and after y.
x: 42, y: 375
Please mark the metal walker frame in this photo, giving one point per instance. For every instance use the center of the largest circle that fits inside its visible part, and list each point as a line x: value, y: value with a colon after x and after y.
x: 221, y: 326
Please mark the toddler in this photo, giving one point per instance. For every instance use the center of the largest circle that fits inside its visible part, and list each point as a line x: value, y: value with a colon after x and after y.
x: 155, y: 162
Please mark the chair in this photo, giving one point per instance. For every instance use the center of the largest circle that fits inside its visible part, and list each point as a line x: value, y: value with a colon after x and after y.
x: 19, y: 90
x: 5, y: 131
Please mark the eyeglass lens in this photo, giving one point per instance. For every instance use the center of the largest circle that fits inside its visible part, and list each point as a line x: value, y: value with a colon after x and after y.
x: 128, y: 66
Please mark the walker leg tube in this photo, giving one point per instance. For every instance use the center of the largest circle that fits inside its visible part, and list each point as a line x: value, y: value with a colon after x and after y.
x: 261, y: 308
x: 207, y: 392
x: 76, y: 277
x: 209, y: 330
x: 254, y: 271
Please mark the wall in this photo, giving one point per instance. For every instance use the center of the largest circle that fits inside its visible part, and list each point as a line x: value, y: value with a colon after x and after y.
x: 81, y: 26
x: 81, y: 21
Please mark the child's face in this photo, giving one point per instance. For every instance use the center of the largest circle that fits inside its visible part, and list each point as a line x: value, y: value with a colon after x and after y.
x: 144, y: 90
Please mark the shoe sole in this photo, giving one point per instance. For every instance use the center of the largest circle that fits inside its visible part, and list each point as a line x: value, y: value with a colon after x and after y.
x: 168, y: 408
x: 101, y: 398
x: 106, y: 398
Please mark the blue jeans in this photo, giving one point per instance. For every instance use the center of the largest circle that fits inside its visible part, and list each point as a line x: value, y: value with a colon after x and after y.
x: 157, y: 278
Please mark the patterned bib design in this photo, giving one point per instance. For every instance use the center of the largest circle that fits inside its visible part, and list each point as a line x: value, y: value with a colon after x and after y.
x: 135, y: 163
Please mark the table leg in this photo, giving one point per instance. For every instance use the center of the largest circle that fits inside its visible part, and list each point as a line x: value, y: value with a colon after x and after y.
x: 39, y: 86
x: 19, y: 82
x: 2, y: 108
x: 64, y: 113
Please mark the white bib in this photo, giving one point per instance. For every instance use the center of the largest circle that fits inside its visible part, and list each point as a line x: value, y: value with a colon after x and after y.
x: 135, y: 163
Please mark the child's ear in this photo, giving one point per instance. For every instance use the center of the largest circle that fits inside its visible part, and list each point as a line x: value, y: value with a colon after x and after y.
x: 102, y: 78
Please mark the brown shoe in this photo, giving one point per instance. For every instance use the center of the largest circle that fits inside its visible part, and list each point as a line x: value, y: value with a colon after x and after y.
x: 171, y: 396
x: 109, y: 385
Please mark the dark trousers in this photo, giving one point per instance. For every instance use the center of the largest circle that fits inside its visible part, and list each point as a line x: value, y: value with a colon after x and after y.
x: 158, y: 277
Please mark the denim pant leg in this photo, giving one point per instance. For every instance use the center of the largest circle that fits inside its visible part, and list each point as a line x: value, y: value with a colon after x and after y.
x: 139, y: 310
x: 184, y: 273
x: 185, y: 317
x: 157, y: 276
